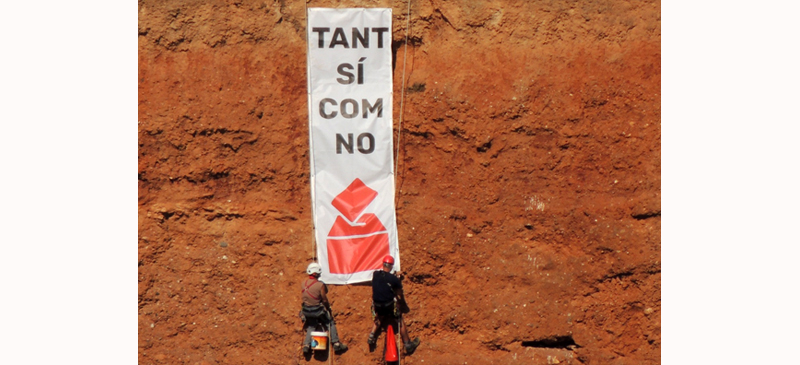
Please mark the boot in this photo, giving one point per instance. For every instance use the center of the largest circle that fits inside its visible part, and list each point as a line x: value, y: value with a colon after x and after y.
x: 371, y: 340
x: 339, y: 347
x: 412, y: 346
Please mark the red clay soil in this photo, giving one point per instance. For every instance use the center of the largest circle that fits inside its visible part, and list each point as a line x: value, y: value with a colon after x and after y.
x: 528, y: 187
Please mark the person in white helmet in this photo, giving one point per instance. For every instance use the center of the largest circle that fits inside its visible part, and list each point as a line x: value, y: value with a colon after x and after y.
x: 317, y: 308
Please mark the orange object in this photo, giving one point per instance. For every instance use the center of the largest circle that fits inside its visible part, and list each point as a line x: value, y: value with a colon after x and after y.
x: 391, y: 345
x: 319, y: 340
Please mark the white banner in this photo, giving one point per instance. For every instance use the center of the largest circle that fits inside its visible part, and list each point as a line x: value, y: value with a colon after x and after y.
x: 350, y: 127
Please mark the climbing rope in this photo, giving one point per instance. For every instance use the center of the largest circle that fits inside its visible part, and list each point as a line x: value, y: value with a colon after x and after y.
x: 312, y: 188
x: 402, y: 94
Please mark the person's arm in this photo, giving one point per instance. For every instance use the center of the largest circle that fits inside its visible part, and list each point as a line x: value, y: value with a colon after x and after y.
x: 397, y: 288
x: 401, y: 298
x: 324, y: 296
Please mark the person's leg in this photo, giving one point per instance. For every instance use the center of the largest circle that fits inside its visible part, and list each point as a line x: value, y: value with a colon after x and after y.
x: 373, y: 333
x: 337, y: 345
x: 374, y: 330
x: 409, y: 345
x: 332, y: 328
x: 309, y: 328
x: 401, y: 327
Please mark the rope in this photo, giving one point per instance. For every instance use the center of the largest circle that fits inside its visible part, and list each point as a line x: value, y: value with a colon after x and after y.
x: 308, y: 91
x: 402, y: 94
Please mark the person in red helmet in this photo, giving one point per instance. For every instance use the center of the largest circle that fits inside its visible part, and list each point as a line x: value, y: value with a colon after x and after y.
x: 387, y: 300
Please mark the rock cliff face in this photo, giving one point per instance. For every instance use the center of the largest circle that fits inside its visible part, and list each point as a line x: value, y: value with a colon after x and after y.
x: 528, y: 202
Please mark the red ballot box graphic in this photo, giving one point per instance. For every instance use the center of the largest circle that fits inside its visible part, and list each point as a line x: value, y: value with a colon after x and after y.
x: 356, y: 245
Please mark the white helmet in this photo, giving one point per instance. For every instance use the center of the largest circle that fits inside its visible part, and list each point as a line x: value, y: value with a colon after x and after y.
x: 314, y: 268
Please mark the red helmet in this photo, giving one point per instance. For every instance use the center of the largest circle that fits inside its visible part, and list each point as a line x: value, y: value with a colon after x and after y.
x: 388, y: 259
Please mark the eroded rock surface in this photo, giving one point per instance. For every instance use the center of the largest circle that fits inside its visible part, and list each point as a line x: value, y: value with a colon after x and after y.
x: 529, y: 173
